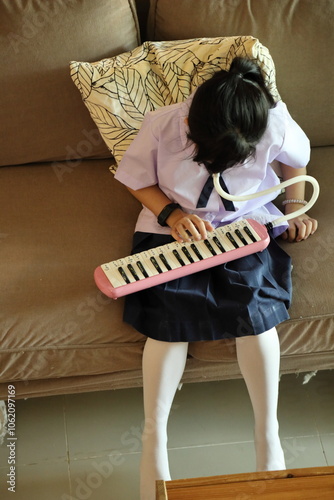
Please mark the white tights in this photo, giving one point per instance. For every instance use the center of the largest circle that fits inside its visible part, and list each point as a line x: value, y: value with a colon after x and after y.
x: 163, y: 366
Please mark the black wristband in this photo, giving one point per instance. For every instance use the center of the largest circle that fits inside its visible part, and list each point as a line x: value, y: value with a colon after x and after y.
x: 165, y: 213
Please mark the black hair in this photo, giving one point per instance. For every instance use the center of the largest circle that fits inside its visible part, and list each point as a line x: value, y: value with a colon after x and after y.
x: 229, y: 115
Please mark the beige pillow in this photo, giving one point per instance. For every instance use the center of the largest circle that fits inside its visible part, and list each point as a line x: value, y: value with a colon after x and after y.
x: 118, y: 91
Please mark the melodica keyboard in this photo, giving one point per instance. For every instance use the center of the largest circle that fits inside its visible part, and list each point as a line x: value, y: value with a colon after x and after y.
x: 174, y: 260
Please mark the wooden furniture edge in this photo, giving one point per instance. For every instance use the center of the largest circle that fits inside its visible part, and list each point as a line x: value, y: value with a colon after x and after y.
x: 164, y: 486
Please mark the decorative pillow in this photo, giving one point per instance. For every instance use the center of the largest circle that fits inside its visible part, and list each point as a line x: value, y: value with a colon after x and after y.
x: 118, y: 91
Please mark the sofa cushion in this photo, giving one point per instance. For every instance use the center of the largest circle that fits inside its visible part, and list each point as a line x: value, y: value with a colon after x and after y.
x: 298, y: 34
x: 118, y: 91
x: 42, y: 117
x: 54, y: 322
x: 58, y: 333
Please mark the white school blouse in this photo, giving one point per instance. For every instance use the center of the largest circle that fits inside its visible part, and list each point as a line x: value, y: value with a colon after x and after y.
x: 162, y: 154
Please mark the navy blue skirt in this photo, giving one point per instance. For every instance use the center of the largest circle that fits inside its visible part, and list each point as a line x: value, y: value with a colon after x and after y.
x: 247, y: 296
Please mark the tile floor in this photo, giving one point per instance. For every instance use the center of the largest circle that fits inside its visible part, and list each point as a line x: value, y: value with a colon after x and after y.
x: 87, y: 446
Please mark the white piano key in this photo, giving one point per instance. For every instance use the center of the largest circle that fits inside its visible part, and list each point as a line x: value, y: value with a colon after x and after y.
x: 151, y: 270
x: 244, y: 234
x: 209, y: 243
x: 139, y: 265
x: 110, y: 273
x: 137, y: 257
x: 168, y: 253
x: 123, y: 266
x: 231, y: 230
x: 154, y: 253
x: 252, y: 231
x: 195, y: 251
x: 203, y: 249
x: 178, y: 248
x: 163, y: 265
x: 224, y: 239
x: 219, y: 247
x: 186, y: 248
x: 114, y: 273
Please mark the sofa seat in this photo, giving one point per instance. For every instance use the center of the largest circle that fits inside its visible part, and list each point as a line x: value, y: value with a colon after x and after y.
x: 60, y: 221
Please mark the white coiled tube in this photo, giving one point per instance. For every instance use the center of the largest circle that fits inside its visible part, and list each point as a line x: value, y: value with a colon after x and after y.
x: 289, y: 182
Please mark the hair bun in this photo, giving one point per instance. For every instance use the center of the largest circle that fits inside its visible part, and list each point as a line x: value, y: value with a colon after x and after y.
x: 246, y: 69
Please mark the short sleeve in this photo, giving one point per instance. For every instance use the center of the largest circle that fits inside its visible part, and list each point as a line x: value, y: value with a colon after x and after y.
x: 295, y: 150
x: 138, y: 167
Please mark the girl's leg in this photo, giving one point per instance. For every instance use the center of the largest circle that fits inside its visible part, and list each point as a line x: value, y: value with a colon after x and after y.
x: 259, y: 359
x: 163, y: 366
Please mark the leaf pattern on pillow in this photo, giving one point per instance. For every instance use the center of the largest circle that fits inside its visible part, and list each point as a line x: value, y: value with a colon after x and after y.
x: 157, y: 91
x: 120, y: 90
x: 130, y: 92
x: 82, y: 77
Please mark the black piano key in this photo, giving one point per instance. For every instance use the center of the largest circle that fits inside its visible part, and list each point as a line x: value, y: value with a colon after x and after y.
x: 156, y: 265
x: 133, y: 272
x: 124, y: 276
x: 164, y: 261
x: 142, y: 269
x: 196, y: 251
x: 178, y: 257
x: 249, y: 233
x: 219, y: 244
x: 232, y: 240
x: 209, y: 247
x: 240, y: 236
x: 187, y: 254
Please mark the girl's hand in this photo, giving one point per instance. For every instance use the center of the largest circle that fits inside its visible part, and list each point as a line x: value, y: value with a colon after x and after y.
x: 303, y: 226
x: 300, y: 228
x: 187, y: 227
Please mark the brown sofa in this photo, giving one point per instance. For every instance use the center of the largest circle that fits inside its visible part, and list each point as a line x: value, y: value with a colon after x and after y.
x: 63, y: 214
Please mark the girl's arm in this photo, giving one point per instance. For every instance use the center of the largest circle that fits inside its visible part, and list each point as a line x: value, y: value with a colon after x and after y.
x: 183, y: 226
x: 303, y: 226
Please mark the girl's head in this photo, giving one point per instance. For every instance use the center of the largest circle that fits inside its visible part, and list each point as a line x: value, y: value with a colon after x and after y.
x: 228, y: 115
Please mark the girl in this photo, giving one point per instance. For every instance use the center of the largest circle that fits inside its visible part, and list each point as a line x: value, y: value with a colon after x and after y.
x: 232, y: 126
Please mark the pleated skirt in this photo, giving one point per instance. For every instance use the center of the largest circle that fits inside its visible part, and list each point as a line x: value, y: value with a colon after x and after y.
x: 246, y: 296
